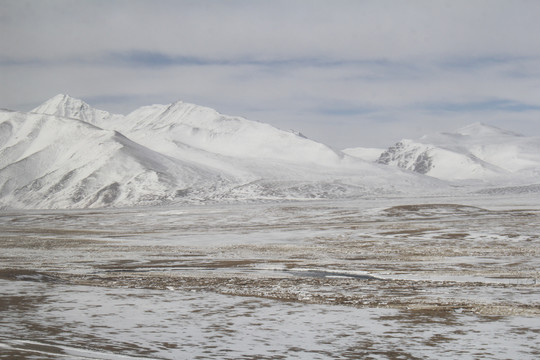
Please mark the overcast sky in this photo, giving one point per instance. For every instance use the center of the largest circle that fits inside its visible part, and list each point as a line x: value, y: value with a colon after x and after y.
x: 347, y: 73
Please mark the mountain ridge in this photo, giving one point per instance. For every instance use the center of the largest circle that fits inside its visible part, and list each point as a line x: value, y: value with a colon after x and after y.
x: 67, y: 154
x: 78, y: 157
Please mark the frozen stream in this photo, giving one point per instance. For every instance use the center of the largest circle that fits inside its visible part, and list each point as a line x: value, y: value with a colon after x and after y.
x: 382, y: 279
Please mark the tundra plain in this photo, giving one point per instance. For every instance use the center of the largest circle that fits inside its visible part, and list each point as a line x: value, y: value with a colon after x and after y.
x: 376, y: 278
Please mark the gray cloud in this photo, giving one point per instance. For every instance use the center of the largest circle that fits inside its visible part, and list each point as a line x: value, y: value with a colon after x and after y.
x: 349, y: 73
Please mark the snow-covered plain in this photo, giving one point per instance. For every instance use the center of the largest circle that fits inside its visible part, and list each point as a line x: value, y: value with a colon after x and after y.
x: 379, y: 278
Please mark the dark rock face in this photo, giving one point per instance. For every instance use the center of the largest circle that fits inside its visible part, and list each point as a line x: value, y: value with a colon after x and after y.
x: 423, y: 163
x: 391, y: 154
x: 108, y: 194
x: 407, y: 158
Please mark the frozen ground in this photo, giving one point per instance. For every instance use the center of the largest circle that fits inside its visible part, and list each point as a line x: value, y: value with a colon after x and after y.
x: 400, y: 278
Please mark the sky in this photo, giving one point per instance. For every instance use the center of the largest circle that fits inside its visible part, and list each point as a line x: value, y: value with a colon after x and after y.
x: 346, y: 73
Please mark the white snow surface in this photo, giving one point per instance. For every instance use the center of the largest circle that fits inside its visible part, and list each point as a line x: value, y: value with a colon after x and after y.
x: 66, y: 154
x: 477, y: 151
x: 206, y: 129
x: 368, y: 154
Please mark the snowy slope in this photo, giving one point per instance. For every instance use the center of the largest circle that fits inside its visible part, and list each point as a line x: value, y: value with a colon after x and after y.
x: 368, y: 154
x: 205, y: 129
x: 477, y: 151
x: 508, y: 150
x: 54, y: 162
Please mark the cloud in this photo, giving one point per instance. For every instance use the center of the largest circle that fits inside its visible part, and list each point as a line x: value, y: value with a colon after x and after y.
x: 345, y: 72
x: 488, y: 105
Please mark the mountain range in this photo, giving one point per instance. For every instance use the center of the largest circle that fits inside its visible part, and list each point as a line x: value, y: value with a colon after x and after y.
x: 67, y: 154
x: 474, y: 152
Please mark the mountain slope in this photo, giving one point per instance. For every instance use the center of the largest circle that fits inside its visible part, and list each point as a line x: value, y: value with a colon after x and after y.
x: 205, y: 129
x: 368, y: 154
x: 477, y: 151
x: 53, y: 162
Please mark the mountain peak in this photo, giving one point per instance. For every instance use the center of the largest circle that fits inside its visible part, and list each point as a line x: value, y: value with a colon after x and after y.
x: 481, y: 129
x: 58, y: 104
x: 66, y: 106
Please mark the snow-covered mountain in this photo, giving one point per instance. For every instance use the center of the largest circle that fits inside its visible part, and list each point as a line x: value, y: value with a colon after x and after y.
x: 477, y: 151
x: 206, y: 129
x: 65, y: 154
x: 50, y: 161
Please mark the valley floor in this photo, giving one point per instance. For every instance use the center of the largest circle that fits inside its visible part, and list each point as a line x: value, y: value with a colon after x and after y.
x: 389, y: 278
